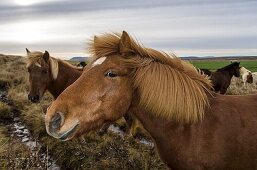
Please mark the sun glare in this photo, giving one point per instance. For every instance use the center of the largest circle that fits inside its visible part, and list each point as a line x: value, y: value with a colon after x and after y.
x: 25, y: 2
x: 30, y: 2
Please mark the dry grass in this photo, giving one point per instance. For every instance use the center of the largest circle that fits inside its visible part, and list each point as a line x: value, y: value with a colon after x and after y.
x: 13, y: 75
x: 14, y: 155
x: 4, y: 111
x: 237, y: 87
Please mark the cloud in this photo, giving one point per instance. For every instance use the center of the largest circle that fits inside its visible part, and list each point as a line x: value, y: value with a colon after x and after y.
x: 161, y: 24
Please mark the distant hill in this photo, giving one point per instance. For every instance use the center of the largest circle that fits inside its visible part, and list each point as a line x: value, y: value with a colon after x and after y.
x: 80, y: 59
x: 220, y: 58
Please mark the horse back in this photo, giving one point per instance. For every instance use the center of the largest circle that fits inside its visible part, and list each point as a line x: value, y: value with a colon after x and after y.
x: 235, y: 118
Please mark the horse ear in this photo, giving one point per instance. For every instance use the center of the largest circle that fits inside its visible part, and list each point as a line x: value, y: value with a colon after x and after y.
x: 27, y: 50
x: 125, y: 47
x: 46, y: 56
x: 95, y: 38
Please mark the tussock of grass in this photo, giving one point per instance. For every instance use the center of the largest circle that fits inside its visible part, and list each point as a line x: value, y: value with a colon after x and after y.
x: 18, y: 97
x: 103, y: 152
x: 4, y: 111
x: 3, y: 147
x: 34, y: 119
x: 14, y: 155
x: 237, y: 87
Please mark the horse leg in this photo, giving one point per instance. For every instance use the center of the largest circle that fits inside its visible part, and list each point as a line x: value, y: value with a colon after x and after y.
x: 104, y: 129
x: 129, y: 121
x: 133, y: 125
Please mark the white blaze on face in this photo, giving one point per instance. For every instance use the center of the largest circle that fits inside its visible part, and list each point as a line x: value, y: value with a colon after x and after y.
x: 99, y: 61
x: 37, y: 64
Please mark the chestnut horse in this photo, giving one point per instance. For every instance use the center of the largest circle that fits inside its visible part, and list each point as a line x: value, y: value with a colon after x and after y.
x: 193, y: 128
x: 221, y: 78
x: 48, y: 73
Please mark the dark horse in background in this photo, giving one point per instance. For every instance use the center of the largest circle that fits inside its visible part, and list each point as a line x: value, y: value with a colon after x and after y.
x: 205, y: 71
x: 222, y: 77
x: 82, y: 64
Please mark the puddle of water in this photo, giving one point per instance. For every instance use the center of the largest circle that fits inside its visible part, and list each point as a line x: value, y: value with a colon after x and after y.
x: 22, y: 133
x: 117, y: 130
x: 146, y: 142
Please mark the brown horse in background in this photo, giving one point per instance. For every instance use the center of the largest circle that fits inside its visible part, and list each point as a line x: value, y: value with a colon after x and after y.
x: 48, y: 73
x: 193, y: 128
x: 221, y: 78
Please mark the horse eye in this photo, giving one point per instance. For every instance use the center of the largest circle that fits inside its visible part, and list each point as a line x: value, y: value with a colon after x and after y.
x: 110, y: 74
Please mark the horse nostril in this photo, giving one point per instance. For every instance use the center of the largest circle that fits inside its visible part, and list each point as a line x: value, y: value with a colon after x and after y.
x: 56, y: 121
x: 33, y: 99
x: 37, y: 97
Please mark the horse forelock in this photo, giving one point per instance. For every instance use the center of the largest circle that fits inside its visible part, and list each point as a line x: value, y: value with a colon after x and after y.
x: 168, y: 87
x: 37, y: 59
x: 34, y: 58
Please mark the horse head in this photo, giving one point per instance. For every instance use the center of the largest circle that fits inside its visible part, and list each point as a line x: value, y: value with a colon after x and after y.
x: 88, y: 103
x: 249, y: 78
x: 40, y: 74
x: 235, y: 69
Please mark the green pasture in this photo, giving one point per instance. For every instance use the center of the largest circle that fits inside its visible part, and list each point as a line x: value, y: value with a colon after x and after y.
x: 214, y: 65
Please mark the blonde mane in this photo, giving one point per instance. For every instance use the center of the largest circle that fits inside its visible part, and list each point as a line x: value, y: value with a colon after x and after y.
x: 168, y: 87
x: 37, y: 58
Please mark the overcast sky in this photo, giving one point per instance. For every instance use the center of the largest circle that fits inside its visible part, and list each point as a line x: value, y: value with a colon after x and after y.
x: 186, y: 27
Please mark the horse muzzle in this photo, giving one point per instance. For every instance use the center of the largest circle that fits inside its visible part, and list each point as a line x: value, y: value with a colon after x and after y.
x: 33, y: 98
x: 54, y: 127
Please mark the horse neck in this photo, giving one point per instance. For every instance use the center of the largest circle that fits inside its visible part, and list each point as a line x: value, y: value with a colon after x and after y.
x: 228, y: 72
x: 66, y: 76
x: 170, y: 137
x: 164, y: 133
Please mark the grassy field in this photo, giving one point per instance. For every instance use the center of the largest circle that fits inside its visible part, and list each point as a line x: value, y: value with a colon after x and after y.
x: 214, y: 65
